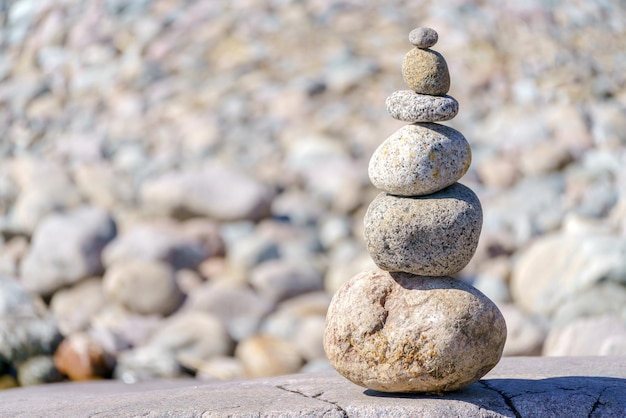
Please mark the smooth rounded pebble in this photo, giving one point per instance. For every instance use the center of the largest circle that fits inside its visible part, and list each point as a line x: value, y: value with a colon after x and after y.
x: 425, y: 71
x: 395, y: 332
x: 423, y: 37
x: 408, y: 106
x: 420, y: 159
x: 434, y: 235
x: 144, y: 287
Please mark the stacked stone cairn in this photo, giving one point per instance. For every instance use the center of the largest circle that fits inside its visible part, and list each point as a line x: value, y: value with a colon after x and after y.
x: 409, y: 326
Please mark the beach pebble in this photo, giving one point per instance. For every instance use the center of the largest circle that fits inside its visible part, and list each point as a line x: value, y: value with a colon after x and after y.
x: 215, y: 191
x: 193, y: 337
x: 37, y: 370
x: 590, y: 336
x: 144, y: 287
x: 265, y: 355
x: 82, y: 357
x: 434, y: 235
x: 423, y: 37
x: 237, y: 306
x: 26, y: 328
x: 420, y: 159
x: 159, y: 241
x: 146, y: 363
x: 561, y: 269
x: 74, y: 307
x: 280, y: 279
x: 409, y: 106
x: 426, y: 72
x: 52, y: 263
x: 395, y: 332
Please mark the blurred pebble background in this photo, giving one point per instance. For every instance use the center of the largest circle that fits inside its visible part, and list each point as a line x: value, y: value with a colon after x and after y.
x: 183, y: 183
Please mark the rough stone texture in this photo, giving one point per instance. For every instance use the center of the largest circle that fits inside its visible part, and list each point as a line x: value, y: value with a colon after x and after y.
x: 408, y: 106
x: 434, y: 235
x: 426, y: 72
x: 395, y: 332
x: 516, y: 387
x: 53, y: 263
x: 420, y: 159
x: 423, y: 37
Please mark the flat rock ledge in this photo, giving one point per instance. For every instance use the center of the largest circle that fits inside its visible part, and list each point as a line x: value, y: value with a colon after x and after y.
x: 517, y: 387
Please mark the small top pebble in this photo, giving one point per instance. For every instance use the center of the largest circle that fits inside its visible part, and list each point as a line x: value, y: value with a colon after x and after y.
x: 423, y: 37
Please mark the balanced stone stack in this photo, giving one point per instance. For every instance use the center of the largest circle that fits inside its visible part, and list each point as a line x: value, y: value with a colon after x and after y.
x: 409, y: 326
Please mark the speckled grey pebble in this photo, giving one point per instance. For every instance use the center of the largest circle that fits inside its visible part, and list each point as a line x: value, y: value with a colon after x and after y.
x: 408, y: 106
x: 426, y: 72
x: 420, y: 159
x: 434, y: 235
x: 395, y: 332
x: 423, y: 37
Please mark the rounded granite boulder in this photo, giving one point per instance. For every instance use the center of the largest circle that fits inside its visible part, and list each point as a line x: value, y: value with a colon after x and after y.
x: 408, y: 106
x: 395, y: 332
x: 434, y: 235
x: 420, y: 159
x: 426, y: 72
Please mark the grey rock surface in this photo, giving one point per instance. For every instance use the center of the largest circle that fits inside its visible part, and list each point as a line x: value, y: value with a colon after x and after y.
x: 52, y: 263
x: 409, y: 106
x: 26, y: 328
x: 420, y: 159
x: 426, y: 72
x: 403, y: 333
x: 142, y: 286
x: 434, y: 235
x: 423, y: 37
x: 516, y: 387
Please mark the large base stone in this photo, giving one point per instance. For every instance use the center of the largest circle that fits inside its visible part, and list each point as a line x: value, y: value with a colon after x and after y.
x: 405, y: 333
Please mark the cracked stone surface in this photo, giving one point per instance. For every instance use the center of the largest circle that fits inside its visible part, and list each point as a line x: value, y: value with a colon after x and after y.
x: 516, y: 387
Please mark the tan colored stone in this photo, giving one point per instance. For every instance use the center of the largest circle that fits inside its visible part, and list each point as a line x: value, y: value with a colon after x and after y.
x: 426, y: 72
x: 264, y: 355
x: 81, y: 357
x: 395, y: 332
x: 420, y: 159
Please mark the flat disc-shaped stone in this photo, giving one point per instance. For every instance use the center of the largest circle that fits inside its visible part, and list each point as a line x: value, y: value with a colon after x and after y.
x: 395, y: 332
x: 408, y: 106
x: 420, y: 159
x: 426, y: 72
x: 434, y: 235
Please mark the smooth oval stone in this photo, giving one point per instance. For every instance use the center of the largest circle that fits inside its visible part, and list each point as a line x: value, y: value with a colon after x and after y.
x: 423, y: 37
x: 408, y: 106
x: 395, y: 332
x: 420, y: 159
x: 425, y: 71
x: 434, y: 235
